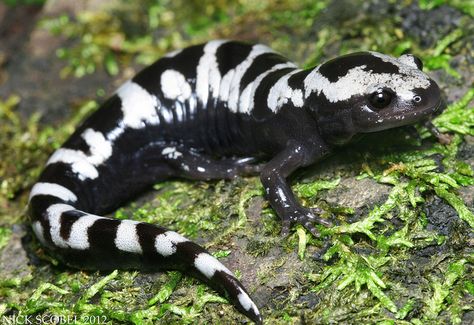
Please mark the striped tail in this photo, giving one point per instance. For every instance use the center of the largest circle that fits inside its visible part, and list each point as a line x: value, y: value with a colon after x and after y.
x: 87, y: 241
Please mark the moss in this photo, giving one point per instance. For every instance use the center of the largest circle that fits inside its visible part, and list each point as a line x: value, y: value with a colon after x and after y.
x: 440, y: 60
x: 377, y: 266
x: 465, y: 6
x: 23, y: 2
x: 102, y: 39
x: 5, y: 234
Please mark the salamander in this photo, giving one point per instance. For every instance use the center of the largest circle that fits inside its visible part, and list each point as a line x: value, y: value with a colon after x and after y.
x: 217, y: 110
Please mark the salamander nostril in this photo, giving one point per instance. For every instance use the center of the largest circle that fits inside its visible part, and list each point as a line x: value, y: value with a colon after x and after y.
x: 417, y: 99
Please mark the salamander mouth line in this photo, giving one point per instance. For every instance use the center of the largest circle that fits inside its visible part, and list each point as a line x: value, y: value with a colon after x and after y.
x: 407, y: 117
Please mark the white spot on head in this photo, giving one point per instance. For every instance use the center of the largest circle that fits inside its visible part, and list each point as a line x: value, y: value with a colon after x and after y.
x: 127, y: 237
x: 358, y: 81
x: 405, y: 65
x: 208, y: 265
x: 100, y: 148
x: 281, y: 194
x: 408, y: 60
x: 139, y: 107
x: 208, y: 76
x: 78, y: 161
x: 174, y: 85
x: 165, y: 243
x: 53, y: 189
x: 201, y: 169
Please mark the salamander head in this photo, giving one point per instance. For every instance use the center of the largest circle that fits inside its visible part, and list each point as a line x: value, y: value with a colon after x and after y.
x: 368, y: 92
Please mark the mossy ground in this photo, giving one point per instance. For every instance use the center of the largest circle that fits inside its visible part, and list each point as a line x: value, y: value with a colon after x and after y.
x: 402, y: 250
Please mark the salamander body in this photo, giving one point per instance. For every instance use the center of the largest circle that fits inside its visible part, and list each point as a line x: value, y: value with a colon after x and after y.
x: 213, y: 111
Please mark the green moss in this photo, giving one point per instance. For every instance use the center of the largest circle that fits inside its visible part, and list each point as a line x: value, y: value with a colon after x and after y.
x: 406, y: 308
x: 167, y: 289
x: 5, y: 234
x: 309, y: 190
x: 441, y: 290
x: 102, y: 39
x: 23, y: 2
x: 465, y: 6
x: 458, y: 117
x: 375, y: 254
x: 437, y: 59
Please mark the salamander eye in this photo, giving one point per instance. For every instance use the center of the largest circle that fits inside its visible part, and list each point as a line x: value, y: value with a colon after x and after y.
x: 380, y: 98
x: 417, y: 99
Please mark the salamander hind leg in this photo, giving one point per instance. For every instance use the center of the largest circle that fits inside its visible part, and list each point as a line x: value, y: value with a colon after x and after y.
x: 192, y: 164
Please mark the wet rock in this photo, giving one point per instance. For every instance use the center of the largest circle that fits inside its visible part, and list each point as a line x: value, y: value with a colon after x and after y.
x: 427, y: 25
x: 14, y: 261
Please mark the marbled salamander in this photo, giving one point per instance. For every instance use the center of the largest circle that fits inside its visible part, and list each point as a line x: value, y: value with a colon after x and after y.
x: 209, y: 112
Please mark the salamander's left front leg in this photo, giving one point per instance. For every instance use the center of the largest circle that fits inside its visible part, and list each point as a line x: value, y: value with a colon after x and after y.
x: 279, y: 193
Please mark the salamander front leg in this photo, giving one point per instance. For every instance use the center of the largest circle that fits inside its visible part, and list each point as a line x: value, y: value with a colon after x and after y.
x: 442, y: 137
x: 279, y: 193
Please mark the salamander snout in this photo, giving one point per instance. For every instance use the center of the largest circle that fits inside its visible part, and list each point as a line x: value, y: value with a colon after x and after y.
x: 428, y: 100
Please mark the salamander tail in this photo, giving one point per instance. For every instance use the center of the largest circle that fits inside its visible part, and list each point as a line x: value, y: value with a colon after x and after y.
x: 87, y: 241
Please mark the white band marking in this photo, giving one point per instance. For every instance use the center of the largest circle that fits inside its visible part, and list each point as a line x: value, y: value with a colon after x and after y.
x: 100, y: 147
x: 139, y: 107
x: 208, y: 76
x: 127, y: 237
x: 165, y: 244
x: 54, y: 216
x: 78, y: 161
x: 174, y: 85
x: 53, y: 189
x: 246, y: 101
x: 208, y: 265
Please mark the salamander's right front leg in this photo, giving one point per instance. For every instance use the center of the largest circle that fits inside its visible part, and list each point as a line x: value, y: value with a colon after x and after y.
x: 279, y: 193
